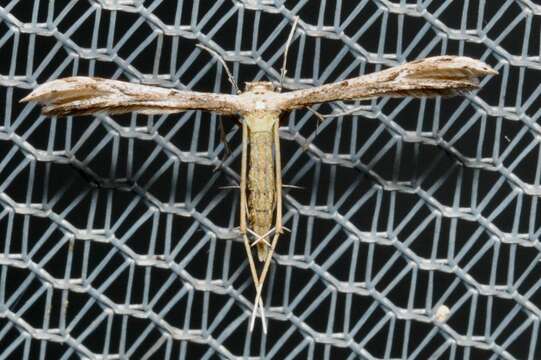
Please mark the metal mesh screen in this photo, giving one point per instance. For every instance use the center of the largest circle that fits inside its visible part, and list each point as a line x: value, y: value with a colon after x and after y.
x: 416, y: 232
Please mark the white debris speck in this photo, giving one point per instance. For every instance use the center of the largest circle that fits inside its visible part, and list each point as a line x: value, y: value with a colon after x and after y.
x: 442, y: 313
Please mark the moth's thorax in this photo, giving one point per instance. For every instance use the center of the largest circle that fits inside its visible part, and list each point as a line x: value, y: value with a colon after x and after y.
x: 259, y: 87
x: 261, y: 120
x: 259, y: 96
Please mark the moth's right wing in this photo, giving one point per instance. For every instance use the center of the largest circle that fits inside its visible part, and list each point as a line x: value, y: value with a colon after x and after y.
x: 86, y: 95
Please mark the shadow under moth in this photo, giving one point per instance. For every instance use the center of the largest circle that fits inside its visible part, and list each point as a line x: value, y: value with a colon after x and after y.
x: 259, y: 108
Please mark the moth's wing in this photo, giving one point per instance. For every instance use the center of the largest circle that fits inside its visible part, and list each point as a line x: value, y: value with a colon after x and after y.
x: 87, y: 95
x: 436, y: 76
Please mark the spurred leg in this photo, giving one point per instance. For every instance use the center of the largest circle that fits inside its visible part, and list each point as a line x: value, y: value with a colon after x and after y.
x: 259, y: 301
x: 243, y: 174
x: 278, y: 220
x: 278, y: 171
x: 243, y: 222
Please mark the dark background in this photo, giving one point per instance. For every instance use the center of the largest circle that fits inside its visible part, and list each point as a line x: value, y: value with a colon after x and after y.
x: 366, y: 221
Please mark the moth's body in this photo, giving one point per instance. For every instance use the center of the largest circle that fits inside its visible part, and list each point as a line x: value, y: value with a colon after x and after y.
x: 261, y: 169
x: 259, y: 108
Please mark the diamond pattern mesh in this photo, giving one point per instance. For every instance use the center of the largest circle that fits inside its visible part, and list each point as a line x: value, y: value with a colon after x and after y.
x: 416, y: 232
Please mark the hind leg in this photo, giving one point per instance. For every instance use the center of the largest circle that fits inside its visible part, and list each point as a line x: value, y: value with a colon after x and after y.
x: 278, y: 221
x: 243, y: 222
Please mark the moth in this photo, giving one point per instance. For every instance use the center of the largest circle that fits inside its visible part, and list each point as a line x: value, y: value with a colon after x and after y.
x: 259, y: 108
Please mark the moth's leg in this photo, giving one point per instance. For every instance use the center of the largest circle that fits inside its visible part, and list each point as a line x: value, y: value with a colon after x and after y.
x: 293, y: 187
x: 244, y: 204
x: 229, y: 187
x: 260, y: 238
x: 243, y: 176
x: 223, y: 140
x: 243, y: 221
x: 283, y: 71
x: 278, y: 221
x: 278, y: 172
x: 224, y: 64
x: 320, y: 117
x: 258, y: 301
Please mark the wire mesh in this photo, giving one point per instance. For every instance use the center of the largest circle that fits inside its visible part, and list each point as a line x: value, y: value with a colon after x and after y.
x: 416, y: 234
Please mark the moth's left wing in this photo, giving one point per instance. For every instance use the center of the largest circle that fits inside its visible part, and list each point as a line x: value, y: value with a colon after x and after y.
x: 86, y: 95
x: 436, y: 76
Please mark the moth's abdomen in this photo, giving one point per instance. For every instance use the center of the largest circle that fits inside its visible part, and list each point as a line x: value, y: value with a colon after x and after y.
x: 261, y: 186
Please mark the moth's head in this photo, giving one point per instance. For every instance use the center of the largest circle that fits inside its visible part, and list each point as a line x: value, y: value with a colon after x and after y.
x: 259, y: 87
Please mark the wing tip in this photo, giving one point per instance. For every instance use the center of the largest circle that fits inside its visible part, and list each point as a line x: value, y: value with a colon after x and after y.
x: 63, y: 89
x: 27, y: 98
x: 30, y: 97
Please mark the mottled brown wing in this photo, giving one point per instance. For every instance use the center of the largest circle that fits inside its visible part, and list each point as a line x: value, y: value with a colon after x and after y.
x: 436, y: 76
x: 87, y: 95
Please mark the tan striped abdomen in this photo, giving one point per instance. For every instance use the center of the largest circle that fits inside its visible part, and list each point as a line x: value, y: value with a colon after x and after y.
x: 261, y: 184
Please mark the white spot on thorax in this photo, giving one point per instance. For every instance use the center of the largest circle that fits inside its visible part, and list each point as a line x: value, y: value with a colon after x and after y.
x: 260, y: 105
